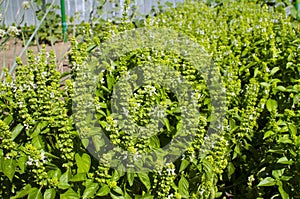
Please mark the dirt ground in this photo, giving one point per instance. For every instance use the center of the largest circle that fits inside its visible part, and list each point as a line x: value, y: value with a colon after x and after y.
x: 13, y: 49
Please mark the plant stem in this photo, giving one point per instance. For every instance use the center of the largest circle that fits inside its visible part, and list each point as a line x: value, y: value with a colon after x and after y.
x: 63, y: 20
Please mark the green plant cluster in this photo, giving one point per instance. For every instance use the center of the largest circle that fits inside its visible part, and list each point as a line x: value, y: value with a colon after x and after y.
x: 257, y: 52
x: 50, y: 30
x: 256, y: 155
x: 37, y: 135
x: 287, y: 6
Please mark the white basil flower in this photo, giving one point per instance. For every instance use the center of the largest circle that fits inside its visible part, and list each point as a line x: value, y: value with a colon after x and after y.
x: 2, y: 33
x: 30, y: 161
x: 25, y: 5
x: 13, y: 31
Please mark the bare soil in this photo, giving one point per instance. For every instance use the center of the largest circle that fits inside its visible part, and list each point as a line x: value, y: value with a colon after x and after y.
x: 13, y: 49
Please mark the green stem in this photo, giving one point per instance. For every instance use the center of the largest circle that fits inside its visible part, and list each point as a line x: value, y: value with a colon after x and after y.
x: 4, y: 59
x: 63, y: 20
x: 15, y: 48
x: 297, y: 9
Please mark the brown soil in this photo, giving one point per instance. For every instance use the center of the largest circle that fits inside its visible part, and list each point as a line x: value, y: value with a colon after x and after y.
x: 13, y: 49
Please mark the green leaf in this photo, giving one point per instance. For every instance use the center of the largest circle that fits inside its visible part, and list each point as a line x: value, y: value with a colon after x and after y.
x: 268, y: 134
x: 91, y: 47
x: 113, y: 196
x: 1, y: 162
x: 145, y: 180
x: 279, y: 151
x: 230, y: 169
x: 90, y: 190
x: 219, y: 194
x: 144, y: 196
x: 23, y: 192
x: 21, y: 163
x: 277, y: 173
x: 237, y: 151
x: 127, y: 196
x: 37, y: 142
x: 258, y: 43
x: 183, y: 187
x: 293, y: 129
x: 285, y: 139
x: 274, y: 70
x: 102, y: 104
x: 289, y: 65
x: 35, y: 193
x: 8, y: 119
x: 130, y: 178
x: 154, y: 142
x: 244, y: 53
x: 272, y: 105
x: 110, y: 81
x: 63, y: 181
x: 98, y: 142
x: 167, y: 124
x: 266, y: 182
x: 265, y: 84
x: 118, y: 190
x: 85, y: 142
x: 104, y: 190
x: 281, y: 88
x: 102, y: 112
x: 56, y: 173
x: 78, y: 177
x: 51, y: 155
x: 9, y: 168
x: 207, y: 166
x: 39, y: 127
x: 184, y: 164
x: 256, y: 71
x: 83, y: 163
x: 115, y: 176
x: 284, y: 160
x: 286, y: 178
x: 16, y: 131
x: 50, y: 194
x: 275, y: 81
x: 64, y: 74
x: 285, y: 129
x: 282, y: 192
x: 70, y: 194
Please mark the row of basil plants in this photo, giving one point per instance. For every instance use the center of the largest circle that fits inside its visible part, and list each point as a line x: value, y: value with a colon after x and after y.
x: 255, y: 154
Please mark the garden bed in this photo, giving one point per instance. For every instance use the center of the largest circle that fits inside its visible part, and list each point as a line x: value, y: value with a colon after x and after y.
x: 223, y: 82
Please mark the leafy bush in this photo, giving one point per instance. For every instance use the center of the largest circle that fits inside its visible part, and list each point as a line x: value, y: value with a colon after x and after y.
x: 36, y: 130
x: 257, y: 52
x: 255, y: 156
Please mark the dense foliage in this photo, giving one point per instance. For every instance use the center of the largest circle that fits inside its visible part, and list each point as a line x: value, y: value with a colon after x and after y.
x: 255, y: 156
